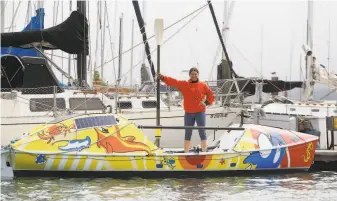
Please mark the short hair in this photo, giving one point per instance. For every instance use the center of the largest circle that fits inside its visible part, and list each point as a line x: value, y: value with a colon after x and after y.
x: 193, y: 69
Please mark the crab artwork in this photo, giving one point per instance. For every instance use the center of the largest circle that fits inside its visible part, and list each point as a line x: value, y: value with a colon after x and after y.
x: 54, y: 130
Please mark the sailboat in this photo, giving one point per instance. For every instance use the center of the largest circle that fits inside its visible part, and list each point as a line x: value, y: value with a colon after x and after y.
x: 280, y: 111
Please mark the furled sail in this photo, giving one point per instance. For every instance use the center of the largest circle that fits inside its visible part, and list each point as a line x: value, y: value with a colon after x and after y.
x: 245, y: 85
x: 36, y: 23
x: 70, y: 36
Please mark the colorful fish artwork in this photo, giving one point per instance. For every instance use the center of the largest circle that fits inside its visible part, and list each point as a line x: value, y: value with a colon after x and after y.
x: 76, y: 145
x: 115, y: 143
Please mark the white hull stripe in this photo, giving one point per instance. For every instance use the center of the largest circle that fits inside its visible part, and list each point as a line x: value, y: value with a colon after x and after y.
x: 75, y: 163
x: 99, y: 165
x: 134, y: 163
x: 87, y: 164
x: 63, y: 162
x: 288, y: 156
x: 49, y: 163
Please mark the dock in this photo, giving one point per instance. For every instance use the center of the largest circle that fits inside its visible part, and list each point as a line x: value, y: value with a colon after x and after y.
x: 325, y: 160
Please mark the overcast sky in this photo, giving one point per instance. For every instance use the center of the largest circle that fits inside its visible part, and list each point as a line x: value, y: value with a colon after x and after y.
x: 280, y: 24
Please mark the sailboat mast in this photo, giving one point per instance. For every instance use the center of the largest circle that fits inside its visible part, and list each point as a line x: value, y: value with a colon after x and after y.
x: 131, y: 67
x: 40, y: 4
x: 225, y: 15
x: 141, y: 24
x: 120, y: 49
x: 29, y: 10
x: 102, y: 36
x: 81, y: 58
x: 309, y: 57
x: 144, y: 53
x: 2, y: 16
x: 261, y: 54
x: 329, y: 46
x: 301, y: 73
x: 69, y: 55
x: 219, y: 33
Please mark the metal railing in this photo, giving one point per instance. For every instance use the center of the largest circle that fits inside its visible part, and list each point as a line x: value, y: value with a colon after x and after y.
x: 50, y: 99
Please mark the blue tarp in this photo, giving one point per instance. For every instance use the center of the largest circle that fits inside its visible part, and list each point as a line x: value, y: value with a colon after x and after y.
x: 36, y: 23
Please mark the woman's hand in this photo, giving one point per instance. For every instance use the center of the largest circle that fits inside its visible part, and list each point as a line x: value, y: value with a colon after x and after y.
x: 202, y: 103
x: 160, y: 76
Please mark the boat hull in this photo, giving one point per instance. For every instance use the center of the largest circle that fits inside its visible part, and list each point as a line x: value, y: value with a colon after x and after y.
x: 154, y: 174
x: 297, y: 158
x: 111, y: 144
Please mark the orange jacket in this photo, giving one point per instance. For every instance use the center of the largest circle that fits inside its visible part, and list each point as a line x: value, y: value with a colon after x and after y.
x: 193, y: 93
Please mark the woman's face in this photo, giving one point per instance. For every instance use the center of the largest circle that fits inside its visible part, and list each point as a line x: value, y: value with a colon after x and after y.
x: 194, y: 76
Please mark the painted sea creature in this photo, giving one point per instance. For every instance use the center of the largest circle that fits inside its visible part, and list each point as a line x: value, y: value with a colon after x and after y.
x: 54, y: 130
x: 40, y: 159
x: 76, y: 145
x: 270, y: 155
x: 168, y: 161
x: 115, y: 143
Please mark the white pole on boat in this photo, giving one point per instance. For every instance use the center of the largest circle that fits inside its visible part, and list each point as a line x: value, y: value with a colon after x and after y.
x: 308, y: 50
x: 158, y: 30
x: 131, y: 67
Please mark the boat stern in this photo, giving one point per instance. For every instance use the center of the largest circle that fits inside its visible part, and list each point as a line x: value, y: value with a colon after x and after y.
x: 6, y: 167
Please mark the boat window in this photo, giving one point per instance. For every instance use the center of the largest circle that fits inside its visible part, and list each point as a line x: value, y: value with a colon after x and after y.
x: 85, y: 104
x: 314, y: 110
x: 149, y: 104
x: 45, y: 104
x: 95, y: 121
x: 292, y: 109
x: 124, y: 104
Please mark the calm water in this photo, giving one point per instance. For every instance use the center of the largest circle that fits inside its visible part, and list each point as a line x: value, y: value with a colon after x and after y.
x: 303, y: 186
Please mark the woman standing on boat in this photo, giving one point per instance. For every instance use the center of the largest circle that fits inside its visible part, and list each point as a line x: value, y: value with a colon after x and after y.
x: 197, y: 95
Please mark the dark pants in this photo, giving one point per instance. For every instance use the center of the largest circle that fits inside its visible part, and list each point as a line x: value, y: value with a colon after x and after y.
x: 190, y: 119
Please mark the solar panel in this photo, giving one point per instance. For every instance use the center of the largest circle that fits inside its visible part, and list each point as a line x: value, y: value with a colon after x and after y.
x: 96, y: 121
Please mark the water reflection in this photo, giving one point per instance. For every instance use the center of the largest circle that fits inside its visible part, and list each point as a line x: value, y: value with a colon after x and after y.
x: 314, y: 186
